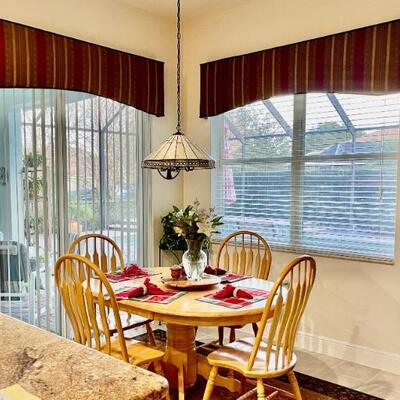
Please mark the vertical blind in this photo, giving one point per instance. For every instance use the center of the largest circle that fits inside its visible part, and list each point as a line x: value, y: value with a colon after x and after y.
x: 71, y: 167
x: 313, y: 172
x: 103, y: 166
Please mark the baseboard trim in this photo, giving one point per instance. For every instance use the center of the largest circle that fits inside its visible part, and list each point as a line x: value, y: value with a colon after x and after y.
x: 389, y: 362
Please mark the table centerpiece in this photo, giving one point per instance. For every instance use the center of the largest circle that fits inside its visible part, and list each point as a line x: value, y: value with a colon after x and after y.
x: 196, y: 225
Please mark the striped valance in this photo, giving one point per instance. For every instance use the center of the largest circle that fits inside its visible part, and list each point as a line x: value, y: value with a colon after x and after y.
x: 33, y: 58
x: 365, y: 60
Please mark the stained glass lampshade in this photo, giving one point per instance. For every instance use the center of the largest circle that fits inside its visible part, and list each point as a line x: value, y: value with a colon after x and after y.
x: 177, y: 153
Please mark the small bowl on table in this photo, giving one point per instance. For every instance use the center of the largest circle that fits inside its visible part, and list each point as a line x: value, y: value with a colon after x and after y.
x: 176, y: 272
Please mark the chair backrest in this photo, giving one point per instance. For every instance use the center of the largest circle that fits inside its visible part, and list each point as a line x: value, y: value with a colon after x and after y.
x: 100, y: 249
x: 87, y: 297
x: 286, y: 303
x: 245, y: 252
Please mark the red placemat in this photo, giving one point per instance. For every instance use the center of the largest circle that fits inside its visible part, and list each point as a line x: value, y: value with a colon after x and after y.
x: 235, y: 302
x: 154, y: 298
x: 230, y: 278
x: 120, y: 277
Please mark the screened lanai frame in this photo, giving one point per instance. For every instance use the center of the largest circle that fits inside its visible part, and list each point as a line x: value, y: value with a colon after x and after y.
x: 219, y: 123
x: 52, y: 123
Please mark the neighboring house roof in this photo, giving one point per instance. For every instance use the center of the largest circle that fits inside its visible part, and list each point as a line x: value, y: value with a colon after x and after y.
x: 367, y: 143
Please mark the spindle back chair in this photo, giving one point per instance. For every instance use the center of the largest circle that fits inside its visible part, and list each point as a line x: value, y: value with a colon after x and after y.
x: 107, y: 256
x: 100, y: 249
x: 85, y: 292
x: 246, y: 253
x: 270, y: 354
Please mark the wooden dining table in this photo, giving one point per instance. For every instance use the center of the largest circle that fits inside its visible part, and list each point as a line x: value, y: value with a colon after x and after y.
x: 183, y: 315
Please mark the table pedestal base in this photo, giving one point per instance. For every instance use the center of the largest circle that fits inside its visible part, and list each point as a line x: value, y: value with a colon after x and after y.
x: 183, y: 364
x: 180, y: 355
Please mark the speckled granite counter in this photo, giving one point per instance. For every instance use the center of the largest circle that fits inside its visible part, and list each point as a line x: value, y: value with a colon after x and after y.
x: 52, y: 367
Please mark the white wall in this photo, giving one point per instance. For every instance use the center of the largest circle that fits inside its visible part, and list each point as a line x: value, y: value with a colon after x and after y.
x: 355, y: 306
x: 120, y: 26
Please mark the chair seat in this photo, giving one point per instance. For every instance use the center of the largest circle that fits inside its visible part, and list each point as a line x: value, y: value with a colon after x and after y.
x: 235, y: 356
x: 139, y: 353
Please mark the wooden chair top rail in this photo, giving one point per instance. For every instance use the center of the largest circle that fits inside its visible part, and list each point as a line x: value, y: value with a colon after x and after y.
x: 245, y: 252
x: 100, y: 249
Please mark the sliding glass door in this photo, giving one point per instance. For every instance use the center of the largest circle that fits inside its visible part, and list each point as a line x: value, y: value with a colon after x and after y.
x: 69, y: 164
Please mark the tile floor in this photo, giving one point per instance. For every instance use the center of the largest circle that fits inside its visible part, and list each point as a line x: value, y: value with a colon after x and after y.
x: 355, y: 376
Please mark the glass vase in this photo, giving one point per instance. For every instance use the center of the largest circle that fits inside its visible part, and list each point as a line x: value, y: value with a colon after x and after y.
x: 194, y: 259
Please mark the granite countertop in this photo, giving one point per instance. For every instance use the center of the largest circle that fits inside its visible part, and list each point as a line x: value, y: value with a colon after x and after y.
x: 52, y: 367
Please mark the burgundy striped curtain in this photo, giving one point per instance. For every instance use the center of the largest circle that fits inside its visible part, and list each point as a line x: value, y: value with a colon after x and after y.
x: 32, y: 58
x: 365, y: 60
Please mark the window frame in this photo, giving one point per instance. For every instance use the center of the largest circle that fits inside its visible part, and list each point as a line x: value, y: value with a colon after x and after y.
x: 298, y: 160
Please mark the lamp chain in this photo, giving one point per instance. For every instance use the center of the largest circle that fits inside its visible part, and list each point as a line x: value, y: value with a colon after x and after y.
x: 178, y: 66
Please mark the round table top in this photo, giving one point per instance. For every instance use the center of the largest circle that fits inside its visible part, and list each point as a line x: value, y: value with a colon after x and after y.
x: 187, y: 311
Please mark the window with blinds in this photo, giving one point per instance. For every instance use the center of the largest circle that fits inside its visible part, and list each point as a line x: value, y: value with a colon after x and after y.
x: 312, y: 173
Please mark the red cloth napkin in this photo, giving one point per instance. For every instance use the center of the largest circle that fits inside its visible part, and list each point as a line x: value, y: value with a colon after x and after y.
x: 134, y: 270
x: 231, y: 291
x: 214, y: 271
x: 143, y: 290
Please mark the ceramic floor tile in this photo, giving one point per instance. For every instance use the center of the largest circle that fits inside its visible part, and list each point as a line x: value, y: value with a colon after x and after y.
x: 208, y: 331
x: 357, y: 371
x: 383, y: 385
x: 315, y: 364
x: 342, y: 380
x: 391, y: 396
x: 384, y: 382
x: 240, y: 333
x: 206, y: 338
x: 334, y: 370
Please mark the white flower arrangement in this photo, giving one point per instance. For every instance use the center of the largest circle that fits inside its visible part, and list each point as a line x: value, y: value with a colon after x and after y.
x: 195, y: 223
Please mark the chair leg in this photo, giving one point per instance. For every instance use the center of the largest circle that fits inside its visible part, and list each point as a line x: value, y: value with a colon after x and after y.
x: 221, y: 335
x: 160, y: 371
x: 232, y: 336
x: 243, y: 382
x: 255, y: 328
x: 150, y: 335
x: 210, y: 383
x: 181, y: 383
x: 260, y: 390
x: 295, y: 385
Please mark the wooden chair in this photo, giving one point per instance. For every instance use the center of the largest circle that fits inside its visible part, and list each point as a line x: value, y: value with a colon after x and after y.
x: 246, y: 253
x: 100, y: 250
x: 270, y: 354
x: 107, y: 256
x: 85, y: 291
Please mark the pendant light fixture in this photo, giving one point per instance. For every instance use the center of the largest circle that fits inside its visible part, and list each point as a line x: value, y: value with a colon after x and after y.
x: 177, y: 152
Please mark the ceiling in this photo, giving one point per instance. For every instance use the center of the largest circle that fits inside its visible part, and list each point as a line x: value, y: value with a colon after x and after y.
x: 189, y: 8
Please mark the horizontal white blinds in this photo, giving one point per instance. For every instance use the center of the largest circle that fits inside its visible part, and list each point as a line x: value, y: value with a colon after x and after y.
x: 313, y: 172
